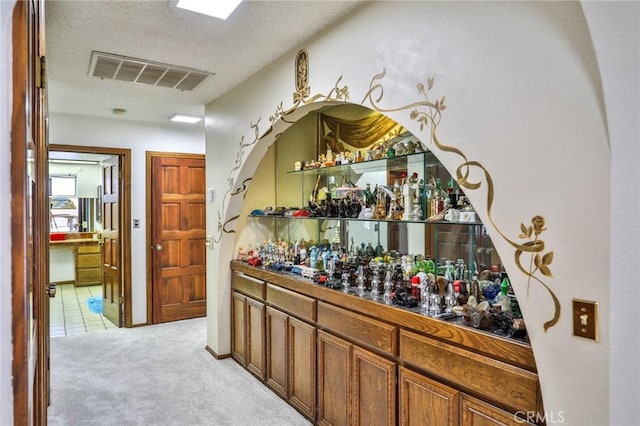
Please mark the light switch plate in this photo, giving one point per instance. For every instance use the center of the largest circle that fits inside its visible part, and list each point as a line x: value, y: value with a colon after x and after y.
x: 585, y: 319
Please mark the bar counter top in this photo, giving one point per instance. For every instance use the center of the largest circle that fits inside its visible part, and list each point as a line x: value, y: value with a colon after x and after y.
x: 73, y: 242
x: 506, y: 349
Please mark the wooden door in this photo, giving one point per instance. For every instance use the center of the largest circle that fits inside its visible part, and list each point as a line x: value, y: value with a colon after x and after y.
x: 29, y: 217
x: 426, y: 402
x: 302, y: 366
x: 178, y: 237
x: 334, y: 375
x: 112, y: 297
x: 238, y: 327
x: 277, y: 357
x: 374, y: 389
x: 255, y: 338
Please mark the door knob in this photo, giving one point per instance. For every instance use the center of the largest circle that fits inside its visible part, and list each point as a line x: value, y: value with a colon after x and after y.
x: 157, y: 247
x: 51, y: 290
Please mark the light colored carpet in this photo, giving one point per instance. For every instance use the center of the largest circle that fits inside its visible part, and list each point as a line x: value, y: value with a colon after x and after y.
x: 156, y: 375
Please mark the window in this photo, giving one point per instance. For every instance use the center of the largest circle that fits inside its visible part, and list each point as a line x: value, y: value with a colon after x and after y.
x: 63, y: 214
x: 63, y: 185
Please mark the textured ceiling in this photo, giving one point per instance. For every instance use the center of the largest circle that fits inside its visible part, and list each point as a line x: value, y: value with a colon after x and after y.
x: 256, y: 34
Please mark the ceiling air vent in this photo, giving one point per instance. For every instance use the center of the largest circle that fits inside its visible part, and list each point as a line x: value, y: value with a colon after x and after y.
x: 115, y: 67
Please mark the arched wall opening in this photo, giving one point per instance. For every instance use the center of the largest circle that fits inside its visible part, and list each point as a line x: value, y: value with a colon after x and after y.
x: 296, y: 140
x: 272, y: 185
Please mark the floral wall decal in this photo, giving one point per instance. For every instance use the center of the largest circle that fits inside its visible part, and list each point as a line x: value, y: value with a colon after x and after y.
x: 429, y: 113
x: 301, y: 97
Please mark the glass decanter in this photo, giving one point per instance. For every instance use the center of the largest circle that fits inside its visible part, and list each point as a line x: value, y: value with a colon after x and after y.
x: 361, y: 281
x: 388, y: 287
x: 375, y: 281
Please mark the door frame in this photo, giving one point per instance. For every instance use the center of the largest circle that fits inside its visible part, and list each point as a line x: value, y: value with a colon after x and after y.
x: 29, y: 244
x: 149, y: 217
x: 124, y: 198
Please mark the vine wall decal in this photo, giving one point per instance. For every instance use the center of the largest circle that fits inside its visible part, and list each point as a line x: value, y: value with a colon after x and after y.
x: 429, y: 114
x: 301, y: 97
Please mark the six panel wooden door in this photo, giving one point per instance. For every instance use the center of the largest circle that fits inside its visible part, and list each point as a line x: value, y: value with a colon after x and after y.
x: 178, y: 237
x: 112, y: 300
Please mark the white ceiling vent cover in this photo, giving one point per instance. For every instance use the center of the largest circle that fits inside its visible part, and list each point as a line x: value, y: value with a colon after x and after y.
x: 115, y: 67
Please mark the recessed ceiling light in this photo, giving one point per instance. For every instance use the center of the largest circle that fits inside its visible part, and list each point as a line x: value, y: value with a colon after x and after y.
x: 182, y: 118
x: 217, y: 8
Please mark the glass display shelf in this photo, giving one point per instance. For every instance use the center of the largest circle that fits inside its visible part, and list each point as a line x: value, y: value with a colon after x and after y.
x: 399, y: 162
x: 350, y: 219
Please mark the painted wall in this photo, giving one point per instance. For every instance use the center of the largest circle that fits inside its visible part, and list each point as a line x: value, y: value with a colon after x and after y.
x: 140, y: 137
x: 6, y: 345
x: 87, y: 177
x: 618, y: 56
x: 524, y: 101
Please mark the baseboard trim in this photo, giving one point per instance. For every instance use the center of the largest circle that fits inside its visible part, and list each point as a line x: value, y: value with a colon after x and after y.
x: 215, y: 355
x: 63, y: 282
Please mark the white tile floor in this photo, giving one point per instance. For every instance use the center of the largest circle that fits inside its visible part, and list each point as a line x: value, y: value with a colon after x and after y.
x: 70, y: 314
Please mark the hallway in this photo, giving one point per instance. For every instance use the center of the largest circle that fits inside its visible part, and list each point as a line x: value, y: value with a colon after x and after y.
x: 156, y: 375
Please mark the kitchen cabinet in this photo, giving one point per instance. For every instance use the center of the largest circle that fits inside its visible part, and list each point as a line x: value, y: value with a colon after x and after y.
x: 423, y: 401
x: 88, y: 265
x: 376, y: 363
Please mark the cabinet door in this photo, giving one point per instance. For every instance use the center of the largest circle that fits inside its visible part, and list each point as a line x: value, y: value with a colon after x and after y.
x: 480, y: 413
x: 426, y: 402
x: 374, y: 389
x: 255, y: 338
x: 302, y: 367
x: 238, y: 325
x: 334, y: 373
x: 277, y: 351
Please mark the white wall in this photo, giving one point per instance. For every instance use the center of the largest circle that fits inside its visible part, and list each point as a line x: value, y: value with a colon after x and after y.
x: 6, y: 345
x: 140, y: 137
x: 618, y: 55
x: 88, y: 177
x: 524, y: 100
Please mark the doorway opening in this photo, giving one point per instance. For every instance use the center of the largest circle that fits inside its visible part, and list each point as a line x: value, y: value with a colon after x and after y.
x: 90, y: 242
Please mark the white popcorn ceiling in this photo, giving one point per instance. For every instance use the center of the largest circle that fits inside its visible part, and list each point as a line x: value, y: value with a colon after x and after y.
x: 256, y: 34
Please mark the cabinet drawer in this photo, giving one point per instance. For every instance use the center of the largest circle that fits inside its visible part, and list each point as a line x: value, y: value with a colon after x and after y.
x: 89, y: 249
x: 89, y: 276
x: 513, y: 387
x: 358, y: 327
x: 294, y: 303
x: 249, y: 286
x: 89, y: 260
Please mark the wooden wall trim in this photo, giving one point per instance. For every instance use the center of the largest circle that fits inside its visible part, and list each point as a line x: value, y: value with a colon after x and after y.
x: 215, y: 355
x: 19, y: 284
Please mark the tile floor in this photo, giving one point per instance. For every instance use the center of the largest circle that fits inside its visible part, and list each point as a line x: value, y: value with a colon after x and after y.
x: 70, y: 315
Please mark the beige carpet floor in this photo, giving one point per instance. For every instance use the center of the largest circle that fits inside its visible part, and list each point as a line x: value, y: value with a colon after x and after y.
x: 156, y: 375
